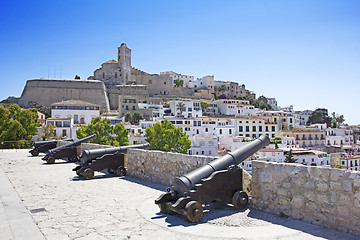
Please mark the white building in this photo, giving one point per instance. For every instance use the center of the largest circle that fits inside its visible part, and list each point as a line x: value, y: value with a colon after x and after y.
x: 79, y: 111
x: 273, y: 103
x: 158, y: 110
x: 76, y: 112
x: 63, y: 127
x: 206, y: 146
x: 311, y: 157
x: 350, y: 162
x: 232, y: 143
x: 272, y: 155
x: 186, y: 109
x: 174, y: 76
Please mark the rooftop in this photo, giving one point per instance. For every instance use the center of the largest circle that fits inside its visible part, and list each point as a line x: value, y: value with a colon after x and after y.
x: 78, y: 103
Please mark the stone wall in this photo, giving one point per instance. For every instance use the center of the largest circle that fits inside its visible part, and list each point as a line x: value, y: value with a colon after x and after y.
x: 163, y: 167
x: 325, y: 196
x: 44, y: 92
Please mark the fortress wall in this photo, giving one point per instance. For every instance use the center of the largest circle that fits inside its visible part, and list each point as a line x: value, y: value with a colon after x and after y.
x: 44, y: 92
x: 325, y: 196
x: 128, y: 90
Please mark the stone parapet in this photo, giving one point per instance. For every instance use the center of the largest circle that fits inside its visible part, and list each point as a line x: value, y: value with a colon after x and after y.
x: 163, y: 167
x: 324, y: 196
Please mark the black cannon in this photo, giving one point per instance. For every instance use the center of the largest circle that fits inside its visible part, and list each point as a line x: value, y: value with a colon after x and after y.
x: 43, y: 146
x: 219, y: 180
x: 68, y: 150
x: 111, y: 159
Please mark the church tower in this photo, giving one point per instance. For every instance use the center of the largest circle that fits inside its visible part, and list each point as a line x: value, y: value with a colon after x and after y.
x: 124, y: 61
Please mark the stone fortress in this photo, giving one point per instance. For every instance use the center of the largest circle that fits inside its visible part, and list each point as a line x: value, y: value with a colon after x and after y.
x: 118, y: 79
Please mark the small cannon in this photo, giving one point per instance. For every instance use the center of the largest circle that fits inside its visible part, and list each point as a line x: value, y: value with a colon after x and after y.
x: 219, y: 180
x: 111, y: 159
x: 68, y: 150
x: 42, y: 147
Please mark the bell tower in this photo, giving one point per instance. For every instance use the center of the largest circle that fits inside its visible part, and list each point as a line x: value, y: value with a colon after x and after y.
x: 124, y: 61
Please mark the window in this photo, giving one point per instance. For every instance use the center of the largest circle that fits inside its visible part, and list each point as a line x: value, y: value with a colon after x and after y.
x: 273, y: 128
x: 247, y: 128
x: 260, y: 128
x: 206, y: 130
x: 82, y: 120
x: 76, y: 119
x: 229, y: 131
x: 133, y: 107
x: 240, y: 128
x: 220, y: 131
x: 254, y: 129
x: 115, y: 75
x: 266, y: 128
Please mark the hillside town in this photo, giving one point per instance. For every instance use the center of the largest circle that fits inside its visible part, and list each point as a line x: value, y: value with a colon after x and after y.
x: 217, y: 116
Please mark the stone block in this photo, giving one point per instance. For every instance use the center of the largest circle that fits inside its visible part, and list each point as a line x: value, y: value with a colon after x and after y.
x: 322, y: 186
x: 310, y: 195
x: 346, y: 184
x: 322, y: 199
x: 298, y: 201
x: 309, y: 184
x: 335, y: 185
x: 311, y: 206
x: 265, y: 177
x: 343, y: 210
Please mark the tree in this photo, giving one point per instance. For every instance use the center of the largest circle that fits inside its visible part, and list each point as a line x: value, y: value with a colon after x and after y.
x: 77, y: 77
x: 104, y: 132
x: 179, y: 83
x: 136, y: 117
x: 180, y: 107
x: 128, y: 117
x: 48, y: 131
x: 289, y: 158
x: 121, y: 138
x: 336, y: 120
x: 17, y: 124
x: 166, y: 137
x: 320, y: 115
x: 204, y: 106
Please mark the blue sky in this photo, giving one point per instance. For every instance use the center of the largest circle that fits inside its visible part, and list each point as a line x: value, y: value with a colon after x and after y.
x: 304, y: 53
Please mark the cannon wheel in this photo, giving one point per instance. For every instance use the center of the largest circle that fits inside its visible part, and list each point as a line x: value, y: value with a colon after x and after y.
x: 120, y: 171
x: 110, y: 170
x: 193, y: 211
x: 73, y: 158
x: 50, y: 160
x: 240, y: 200
x: 78, y: 172
x: 165, y: 209
x: 88, y: 173
x: 34, y: 153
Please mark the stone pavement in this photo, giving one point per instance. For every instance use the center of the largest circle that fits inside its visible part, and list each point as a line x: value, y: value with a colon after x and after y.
x: 40, y: 201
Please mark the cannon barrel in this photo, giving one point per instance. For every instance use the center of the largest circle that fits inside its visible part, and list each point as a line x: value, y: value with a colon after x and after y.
x: 88, y: 155
x: 73, y: 144
x: 182, y: 185
x: 41, y: 143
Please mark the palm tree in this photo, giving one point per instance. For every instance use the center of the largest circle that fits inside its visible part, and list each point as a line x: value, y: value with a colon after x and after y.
x: 180, y: 107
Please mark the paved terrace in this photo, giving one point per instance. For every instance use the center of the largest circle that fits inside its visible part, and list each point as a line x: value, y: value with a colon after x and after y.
x: 40, y: 201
